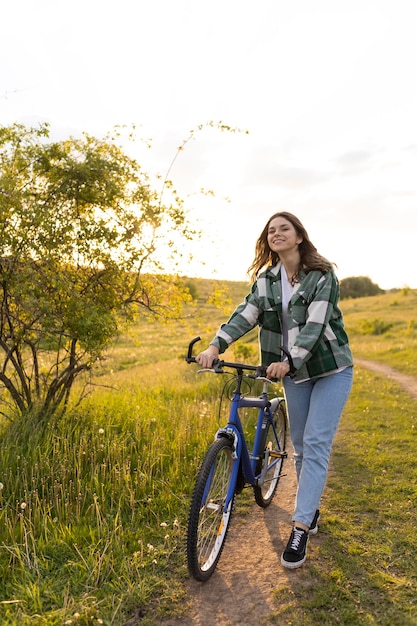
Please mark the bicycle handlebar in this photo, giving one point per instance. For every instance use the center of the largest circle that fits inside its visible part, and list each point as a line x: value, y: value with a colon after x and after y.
x: 218, y: 364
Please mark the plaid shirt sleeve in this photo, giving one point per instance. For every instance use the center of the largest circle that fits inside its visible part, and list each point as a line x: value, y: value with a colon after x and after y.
x: 317, y: 339
x: 243, y: 319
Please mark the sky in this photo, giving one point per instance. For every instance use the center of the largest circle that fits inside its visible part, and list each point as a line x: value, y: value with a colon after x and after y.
x: 326, y: 89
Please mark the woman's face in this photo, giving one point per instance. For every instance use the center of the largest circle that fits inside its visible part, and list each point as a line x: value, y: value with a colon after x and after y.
x: 282, y: 236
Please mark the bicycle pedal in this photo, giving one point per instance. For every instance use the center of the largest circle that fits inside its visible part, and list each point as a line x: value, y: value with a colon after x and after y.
x: 279, y: 455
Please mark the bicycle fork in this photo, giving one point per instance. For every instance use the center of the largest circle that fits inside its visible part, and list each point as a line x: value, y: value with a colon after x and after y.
x: 231, y: 433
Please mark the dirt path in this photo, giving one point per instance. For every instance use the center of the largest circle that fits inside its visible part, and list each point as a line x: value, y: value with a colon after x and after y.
x: 409, y: 383
x: 240, y: 590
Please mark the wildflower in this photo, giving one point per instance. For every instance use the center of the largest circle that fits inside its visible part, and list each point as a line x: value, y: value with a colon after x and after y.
x: 1, y: 486
x: 101, y: 431
x: 163, y: 524
x: 155, y: 562
x: 23, y: 506
x: 176, y: 523
x: 150, y: 547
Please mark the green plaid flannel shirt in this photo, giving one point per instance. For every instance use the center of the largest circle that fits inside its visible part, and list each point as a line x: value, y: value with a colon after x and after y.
x: 317, y: 340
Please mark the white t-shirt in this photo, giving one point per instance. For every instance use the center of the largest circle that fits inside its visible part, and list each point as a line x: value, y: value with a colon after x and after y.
x: 287, y: 291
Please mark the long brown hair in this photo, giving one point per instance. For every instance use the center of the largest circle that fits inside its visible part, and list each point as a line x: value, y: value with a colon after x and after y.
x: 310, y: 259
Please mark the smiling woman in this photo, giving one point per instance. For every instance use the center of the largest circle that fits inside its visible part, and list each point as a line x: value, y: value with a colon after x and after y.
x: 284, y: 241
x: 294, y: 301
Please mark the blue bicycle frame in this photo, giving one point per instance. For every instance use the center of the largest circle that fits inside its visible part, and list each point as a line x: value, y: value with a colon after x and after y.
x: 234, y: 430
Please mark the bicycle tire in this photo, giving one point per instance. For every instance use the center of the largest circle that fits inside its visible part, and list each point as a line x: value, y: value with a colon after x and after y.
x: 264, y: 493
x: 208, y: 523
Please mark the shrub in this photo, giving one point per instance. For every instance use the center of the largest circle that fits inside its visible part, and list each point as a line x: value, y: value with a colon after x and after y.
x: 358, y: 287
x: 372, y: 327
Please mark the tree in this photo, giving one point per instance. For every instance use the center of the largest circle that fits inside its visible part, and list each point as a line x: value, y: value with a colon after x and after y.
x: 80, y: 248
x: 358, y: 287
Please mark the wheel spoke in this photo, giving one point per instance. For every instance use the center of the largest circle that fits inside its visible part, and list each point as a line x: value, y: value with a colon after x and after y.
x: 209, y: 523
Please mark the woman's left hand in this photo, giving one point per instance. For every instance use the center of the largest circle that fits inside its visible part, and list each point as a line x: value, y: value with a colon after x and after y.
x: 278, y: 369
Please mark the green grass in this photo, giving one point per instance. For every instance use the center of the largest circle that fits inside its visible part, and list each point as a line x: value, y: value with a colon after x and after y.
x: 93, y: 507
x: 149, y: 342
x: 362, y: 568
x: 397, y: 345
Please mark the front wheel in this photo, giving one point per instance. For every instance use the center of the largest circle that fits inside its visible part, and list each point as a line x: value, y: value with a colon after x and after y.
x: 272, y: 454
x: 209, y: 518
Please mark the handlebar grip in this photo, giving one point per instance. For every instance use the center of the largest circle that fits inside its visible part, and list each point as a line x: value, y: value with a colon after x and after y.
x: 189, y: 358
x: 291, y: 373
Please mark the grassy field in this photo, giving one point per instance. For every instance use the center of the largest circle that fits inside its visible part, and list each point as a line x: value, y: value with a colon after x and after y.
x: 384, y: 328
x: 93, y: 507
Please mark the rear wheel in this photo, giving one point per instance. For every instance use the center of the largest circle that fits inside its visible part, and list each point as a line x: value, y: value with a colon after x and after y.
x: 208, y: 520
x: 273, y: 454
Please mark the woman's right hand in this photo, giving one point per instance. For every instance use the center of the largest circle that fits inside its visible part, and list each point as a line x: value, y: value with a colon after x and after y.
x: 278, y: 370
x: 206, y: 358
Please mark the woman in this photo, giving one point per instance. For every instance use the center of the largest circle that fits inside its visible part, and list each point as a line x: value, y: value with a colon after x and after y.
x: 294, y: 300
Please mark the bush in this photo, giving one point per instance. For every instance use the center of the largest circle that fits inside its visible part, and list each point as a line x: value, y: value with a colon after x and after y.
x: 191, y: 286
x: 358, y: 287
x: 372, y: 327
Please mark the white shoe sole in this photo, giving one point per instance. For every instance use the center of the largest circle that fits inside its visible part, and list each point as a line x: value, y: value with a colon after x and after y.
x: 290, y: 564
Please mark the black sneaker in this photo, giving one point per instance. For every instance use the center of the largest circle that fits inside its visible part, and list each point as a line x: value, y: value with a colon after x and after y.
x: 314, y: 528
x: 295, y: 553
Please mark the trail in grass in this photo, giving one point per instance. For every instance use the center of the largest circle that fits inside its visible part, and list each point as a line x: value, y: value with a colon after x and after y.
x: 409, y: 383
x: 241, y: 589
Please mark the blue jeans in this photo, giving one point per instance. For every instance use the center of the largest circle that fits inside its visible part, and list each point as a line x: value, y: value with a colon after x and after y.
x: 314, y: 409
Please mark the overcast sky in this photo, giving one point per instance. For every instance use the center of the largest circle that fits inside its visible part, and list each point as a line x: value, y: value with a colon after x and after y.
x: 327, y: 90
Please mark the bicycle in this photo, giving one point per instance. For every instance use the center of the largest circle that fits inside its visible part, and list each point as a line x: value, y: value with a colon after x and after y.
x: 228, y: 465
